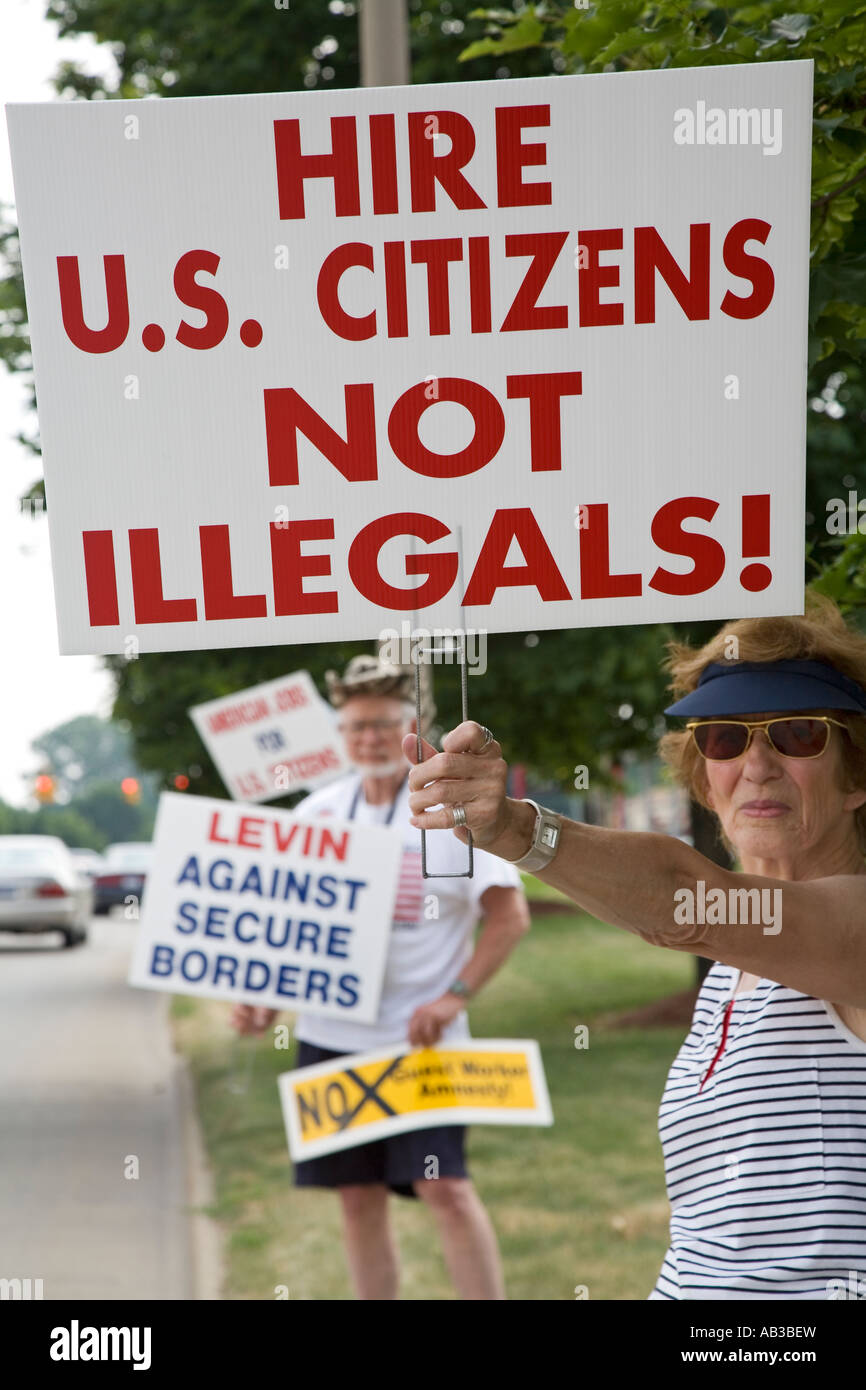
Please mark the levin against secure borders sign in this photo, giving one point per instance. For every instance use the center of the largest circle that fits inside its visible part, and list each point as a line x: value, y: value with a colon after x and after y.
x: 266, y: 908
x: 272, y: 738
x: 335, y: 1105
x: 504, y: 355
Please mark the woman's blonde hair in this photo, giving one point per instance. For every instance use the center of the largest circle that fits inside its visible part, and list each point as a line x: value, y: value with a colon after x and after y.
x: 821, y: 634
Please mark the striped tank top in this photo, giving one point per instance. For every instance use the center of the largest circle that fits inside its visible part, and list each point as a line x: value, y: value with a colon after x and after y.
x: 763, y: 1127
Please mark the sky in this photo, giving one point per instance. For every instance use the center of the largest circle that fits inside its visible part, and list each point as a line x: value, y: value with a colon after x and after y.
x: 40, y: 688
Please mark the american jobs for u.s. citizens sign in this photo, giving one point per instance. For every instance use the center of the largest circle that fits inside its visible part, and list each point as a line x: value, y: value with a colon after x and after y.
x: 523, y: 354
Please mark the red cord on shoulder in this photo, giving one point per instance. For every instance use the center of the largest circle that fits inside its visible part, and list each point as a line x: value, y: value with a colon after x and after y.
x: 721, y: 1047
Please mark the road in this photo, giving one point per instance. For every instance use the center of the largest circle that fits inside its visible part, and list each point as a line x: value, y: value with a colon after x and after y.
x: 89, y: 1085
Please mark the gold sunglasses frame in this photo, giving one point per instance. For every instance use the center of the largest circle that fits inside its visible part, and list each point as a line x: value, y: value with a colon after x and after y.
x: 824, y: 719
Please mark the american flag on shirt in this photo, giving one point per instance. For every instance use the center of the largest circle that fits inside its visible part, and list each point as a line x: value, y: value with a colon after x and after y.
x: 410, y: 890
x: 410, y: 887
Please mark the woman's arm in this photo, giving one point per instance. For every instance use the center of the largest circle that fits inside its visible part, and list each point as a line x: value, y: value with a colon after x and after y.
x: 810, y: 936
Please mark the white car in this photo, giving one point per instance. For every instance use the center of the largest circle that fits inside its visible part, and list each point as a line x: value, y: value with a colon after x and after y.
x: 41, y: 889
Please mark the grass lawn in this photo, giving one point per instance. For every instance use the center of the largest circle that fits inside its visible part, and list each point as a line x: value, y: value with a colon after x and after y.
x: 582, y: 1203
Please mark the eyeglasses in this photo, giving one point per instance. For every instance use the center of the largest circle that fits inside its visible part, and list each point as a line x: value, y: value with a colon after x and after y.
x: 722, y: 740
x: 376, y: 726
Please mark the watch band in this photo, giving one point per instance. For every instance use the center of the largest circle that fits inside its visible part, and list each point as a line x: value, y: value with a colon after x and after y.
x: 461, y: 989
x: 545, y: 840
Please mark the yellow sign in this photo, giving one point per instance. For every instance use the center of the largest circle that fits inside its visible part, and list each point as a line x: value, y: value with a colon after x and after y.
x: 339, y: 1104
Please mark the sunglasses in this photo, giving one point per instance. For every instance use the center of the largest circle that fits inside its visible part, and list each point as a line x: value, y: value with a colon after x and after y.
x: 721, y: 740
x: 378, y: 726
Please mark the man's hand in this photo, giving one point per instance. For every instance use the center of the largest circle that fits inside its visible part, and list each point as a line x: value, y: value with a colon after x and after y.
x: 249, y: 1020
x: 428, y: 1022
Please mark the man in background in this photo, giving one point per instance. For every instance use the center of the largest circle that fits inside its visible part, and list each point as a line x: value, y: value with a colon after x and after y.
x: 431, y: 970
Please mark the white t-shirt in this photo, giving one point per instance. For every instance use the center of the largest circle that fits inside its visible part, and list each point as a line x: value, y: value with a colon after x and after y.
x: 426, y: 951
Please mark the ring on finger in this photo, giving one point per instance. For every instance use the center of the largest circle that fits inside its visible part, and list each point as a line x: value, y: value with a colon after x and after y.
x: 458, y: 814
x: 488, y: 738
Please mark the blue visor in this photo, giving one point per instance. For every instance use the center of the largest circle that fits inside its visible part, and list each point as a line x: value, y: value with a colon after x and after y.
x: 756, y: 687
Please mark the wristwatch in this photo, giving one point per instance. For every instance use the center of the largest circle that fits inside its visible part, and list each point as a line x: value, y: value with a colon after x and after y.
x: 545, y: 840
x: 460, y: 988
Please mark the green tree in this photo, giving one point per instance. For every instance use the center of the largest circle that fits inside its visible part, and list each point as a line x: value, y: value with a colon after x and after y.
x: 87, y: 750
x: 219, y: 47
x: 64, y: 821
x: 89, y: 758
x: 111, y: 817
x: 68, y: 823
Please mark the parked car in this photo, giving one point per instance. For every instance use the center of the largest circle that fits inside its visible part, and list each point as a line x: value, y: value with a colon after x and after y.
x: 123, y: 875
x: 88, y: 862
x: 41, y: 889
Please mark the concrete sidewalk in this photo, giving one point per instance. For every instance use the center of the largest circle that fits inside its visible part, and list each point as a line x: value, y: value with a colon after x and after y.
x: 101, y: 1162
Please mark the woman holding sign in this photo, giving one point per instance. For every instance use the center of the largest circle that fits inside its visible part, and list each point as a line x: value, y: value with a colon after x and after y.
x: 763, y: 1119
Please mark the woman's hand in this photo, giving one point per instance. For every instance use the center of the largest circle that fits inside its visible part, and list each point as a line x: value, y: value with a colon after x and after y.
x: 467, y: 774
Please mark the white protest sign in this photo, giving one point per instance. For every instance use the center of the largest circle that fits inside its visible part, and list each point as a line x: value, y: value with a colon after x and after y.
x: 267, y: 908
x: 272, y: 738
x: 502, y: 355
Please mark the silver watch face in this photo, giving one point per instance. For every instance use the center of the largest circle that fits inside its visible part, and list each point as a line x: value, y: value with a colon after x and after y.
x: 550, y: 835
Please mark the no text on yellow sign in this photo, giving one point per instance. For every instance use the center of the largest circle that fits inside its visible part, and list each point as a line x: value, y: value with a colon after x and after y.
x: 335, y: 1106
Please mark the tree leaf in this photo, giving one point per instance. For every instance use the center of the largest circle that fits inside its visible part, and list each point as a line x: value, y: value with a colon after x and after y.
x: 792, y: 27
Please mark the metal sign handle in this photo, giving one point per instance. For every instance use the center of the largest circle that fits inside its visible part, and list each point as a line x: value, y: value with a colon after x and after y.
x: 464, y: 706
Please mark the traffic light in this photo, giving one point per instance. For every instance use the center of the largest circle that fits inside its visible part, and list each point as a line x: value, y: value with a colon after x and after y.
x: 44, y: 788
x: 131, y: 790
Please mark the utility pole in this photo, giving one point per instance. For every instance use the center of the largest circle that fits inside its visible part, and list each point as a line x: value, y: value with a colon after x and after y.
x: 384, y: 40
x: 384, y: 35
